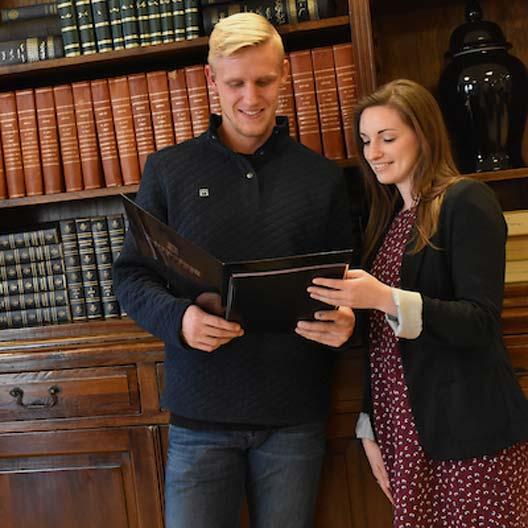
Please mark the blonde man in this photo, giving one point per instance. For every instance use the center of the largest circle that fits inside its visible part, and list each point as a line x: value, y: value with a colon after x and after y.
x: 247, y: 409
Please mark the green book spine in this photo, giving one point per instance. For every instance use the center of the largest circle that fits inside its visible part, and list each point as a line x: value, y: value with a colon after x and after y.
x: 8, y: 257
x: 83, y: 11
x: 101, y: 22
x: 166, y: 19
x: 129, y: 24
x: 103, y: 258
x: 72, y: 265
x: 28, y: 12
x: 114, y: 12
x: 178, y: 14
x: 25, y: 239
x: 26, y: 301
x: 35, y: 317
x: 32, y: 269
x: 154, y: 21
x: 116, y: 235
x: 33, y: 285
x: 143, y: 22
x: 69, y: 28
x: 92, y: 292
x: 192, y: 19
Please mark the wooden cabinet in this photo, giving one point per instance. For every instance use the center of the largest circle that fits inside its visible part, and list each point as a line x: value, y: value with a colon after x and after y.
x: 82, y: 435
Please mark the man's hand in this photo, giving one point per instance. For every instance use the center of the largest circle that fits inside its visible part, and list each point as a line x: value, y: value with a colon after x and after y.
x: 332, y: 327
x: 205, y: 331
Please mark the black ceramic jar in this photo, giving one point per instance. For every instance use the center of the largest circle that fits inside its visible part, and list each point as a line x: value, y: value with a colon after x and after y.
x: 483, y: 92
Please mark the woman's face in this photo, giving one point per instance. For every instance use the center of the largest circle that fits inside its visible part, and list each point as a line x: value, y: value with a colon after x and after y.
x: 390, y: 146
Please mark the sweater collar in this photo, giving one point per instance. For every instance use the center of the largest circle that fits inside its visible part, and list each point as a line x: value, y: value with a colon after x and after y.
x: 278, y: 138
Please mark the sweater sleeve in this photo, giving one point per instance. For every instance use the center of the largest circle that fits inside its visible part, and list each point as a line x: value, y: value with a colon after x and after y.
x: 474, y: 243
x: 153, y: 297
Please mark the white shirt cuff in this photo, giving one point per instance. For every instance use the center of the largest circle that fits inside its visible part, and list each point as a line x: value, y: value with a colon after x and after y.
x: 364, y: 427
x: 408, y: 321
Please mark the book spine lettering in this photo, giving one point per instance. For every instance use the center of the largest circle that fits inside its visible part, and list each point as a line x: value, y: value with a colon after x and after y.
x: 9, y: 257
x: 26, y: 301
x: 25, y: 239
x: 69, y: 145
x: 198, y: 101
x: 49, y: 140
x: 72, y: 265
x: 141, y: 114
x: 158, y: 92
x: 327, y: 103
x: 35, y: 317
x: 88, y: 149
x: 33, y: 285
x: 32, y: 269
x: 142, y: 16
x: 27, y: 122
x: 69, y: 28
x: 181, y: 113
x: 286, y: 106
x: 106, y: 132
x: 124, y: 127
x: 305, y: 100
x: 347, y: 92
x: 153, y: 9
x: 12, y: 152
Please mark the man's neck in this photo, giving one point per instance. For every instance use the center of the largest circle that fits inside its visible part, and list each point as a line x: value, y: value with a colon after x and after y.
x: 242, y: 147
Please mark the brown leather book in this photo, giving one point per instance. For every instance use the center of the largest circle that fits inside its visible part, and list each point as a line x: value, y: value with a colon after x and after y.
x: 3, y: 183
x: 181, y: 112
x: 29, y: 143
x: 305, y: 100
x: 160, y: 108
x: 286, y: 106
x: 345, y: 68
x: 88, y: 148
x: 124, y: 127
x: 69, y: 145
x: 198, y: 100
x: 214, y: 100
x: 139, y: 98
x: 14, y: 170
x: 327, y: 103
x: 104, y: 123
x: 49, y: 141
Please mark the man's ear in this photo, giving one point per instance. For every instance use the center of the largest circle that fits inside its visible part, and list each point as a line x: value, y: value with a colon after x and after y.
x: 209, y: 74
x: 285, y: 70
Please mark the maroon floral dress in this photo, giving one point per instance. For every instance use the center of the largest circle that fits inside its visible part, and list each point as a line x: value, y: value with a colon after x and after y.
x: 484, y: 492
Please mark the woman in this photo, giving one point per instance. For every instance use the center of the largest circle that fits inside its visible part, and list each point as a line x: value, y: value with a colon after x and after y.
x: 450, y: 420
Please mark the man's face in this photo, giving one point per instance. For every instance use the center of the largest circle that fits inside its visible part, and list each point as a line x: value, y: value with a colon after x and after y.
x: 248, y: 84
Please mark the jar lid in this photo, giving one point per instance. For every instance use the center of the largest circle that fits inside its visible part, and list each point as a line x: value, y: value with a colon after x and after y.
x: 476, y: 34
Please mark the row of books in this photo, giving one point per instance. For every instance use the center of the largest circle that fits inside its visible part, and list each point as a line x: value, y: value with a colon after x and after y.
x: 81, y: 27
x: 60, y: 272
x: 517, y: 246
x: 92, y: 134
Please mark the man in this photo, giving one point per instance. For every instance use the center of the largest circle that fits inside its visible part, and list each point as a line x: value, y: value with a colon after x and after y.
x: 247, y: 409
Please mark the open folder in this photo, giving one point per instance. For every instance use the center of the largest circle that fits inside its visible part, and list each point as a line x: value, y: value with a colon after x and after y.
x: 262, y: 295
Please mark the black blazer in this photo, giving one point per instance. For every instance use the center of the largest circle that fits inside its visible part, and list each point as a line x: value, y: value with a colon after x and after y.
x: 464, y: 396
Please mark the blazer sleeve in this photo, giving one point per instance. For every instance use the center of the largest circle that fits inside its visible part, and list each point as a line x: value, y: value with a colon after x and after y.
x: 472, y: 236
x: 155, y: 298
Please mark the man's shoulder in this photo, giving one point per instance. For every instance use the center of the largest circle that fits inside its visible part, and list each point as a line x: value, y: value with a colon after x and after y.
x: 179, y: 152
x: 313, y: 161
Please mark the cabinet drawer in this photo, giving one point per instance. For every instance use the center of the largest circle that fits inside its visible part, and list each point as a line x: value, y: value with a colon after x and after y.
x: 69, y: 393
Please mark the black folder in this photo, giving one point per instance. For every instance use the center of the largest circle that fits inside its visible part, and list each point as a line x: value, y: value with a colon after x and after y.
x: 262, y: 295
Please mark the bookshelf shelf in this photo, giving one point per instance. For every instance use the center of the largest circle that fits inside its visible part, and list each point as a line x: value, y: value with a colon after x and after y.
x: 141, y: 58
x: 510, y: 174
x: 68, y: 196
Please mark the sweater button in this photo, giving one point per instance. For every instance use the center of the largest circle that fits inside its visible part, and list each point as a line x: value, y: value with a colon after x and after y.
x: 249, y: 175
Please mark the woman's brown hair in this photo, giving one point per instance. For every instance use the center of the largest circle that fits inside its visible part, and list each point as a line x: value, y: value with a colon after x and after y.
x: 434, y: 172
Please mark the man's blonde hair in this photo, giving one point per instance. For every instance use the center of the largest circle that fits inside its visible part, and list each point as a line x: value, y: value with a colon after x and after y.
x: 241, y: 30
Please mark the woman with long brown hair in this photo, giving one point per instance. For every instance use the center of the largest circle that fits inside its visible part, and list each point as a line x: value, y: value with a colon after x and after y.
x: 448, y: 443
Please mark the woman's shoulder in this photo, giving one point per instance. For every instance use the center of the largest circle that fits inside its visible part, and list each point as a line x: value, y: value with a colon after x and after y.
x: 470, y: 192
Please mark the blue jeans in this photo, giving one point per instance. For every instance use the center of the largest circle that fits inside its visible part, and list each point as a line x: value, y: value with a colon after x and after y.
x: 208, y: 473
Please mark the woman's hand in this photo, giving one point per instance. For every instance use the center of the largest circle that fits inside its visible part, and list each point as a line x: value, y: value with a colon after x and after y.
x: 378, y: 467
x: 359, y: 289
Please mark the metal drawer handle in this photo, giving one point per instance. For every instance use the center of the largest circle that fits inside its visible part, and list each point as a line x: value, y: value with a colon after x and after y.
x: 18, y: 393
